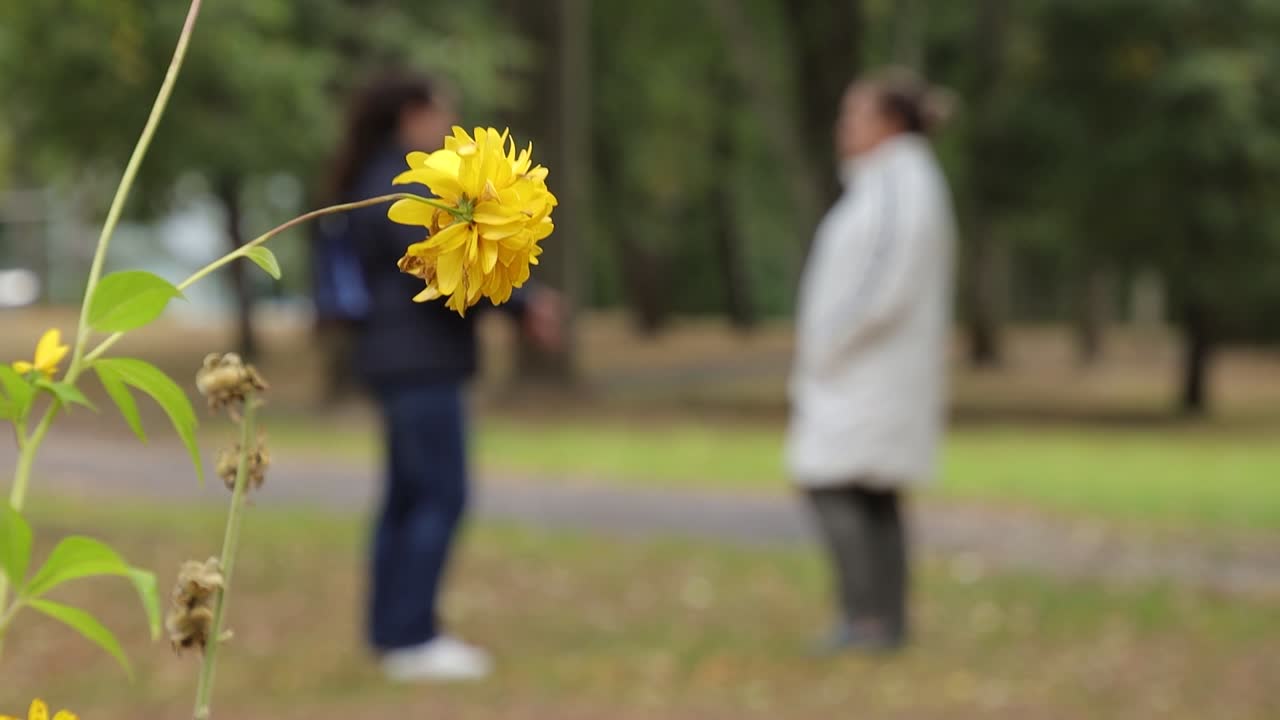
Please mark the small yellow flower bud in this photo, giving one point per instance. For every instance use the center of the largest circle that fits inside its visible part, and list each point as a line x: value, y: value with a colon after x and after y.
x: 49, y: 352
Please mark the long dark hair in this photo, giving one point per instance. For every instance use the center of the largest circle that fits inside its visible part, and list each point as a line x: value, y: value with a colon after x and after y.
x: 373, y: 119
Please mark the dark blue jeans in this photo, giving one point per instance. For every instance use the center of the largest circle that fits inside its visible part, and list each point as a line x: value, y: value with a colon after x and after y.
x: 425, y: 496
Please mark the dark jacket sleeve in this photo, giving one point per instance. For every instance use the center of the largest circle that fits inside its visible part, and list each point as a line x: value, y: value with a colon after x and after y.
x: 382, y: 242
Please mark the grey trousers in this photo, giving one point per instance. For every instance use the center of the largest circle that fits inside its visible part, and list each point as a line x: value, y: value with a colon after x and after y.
x: 866, y: 539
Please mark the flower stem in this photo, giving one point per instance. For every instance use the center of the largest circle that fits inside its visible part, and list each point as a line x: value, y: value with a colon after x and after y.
x: 6, y: 617
x: 306, y: 217
x: 230, y: 544
x: 27, y: 456
x: 126, y: 184
x: 27, y: 448
x: 244, y: 249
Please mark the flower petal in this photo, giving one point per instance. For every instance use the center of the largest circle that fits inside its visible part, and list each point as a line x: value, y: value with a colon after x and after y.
x: 541, y: 230
x: 22, y: 367
x: 428, y: 294
x: 445, y: 161
x: 48, y: 341
x: 458, y: 304
x: 411, y: 212
x: 410, y: 176
x: 38, y: 711
x: 475, y: 284
x: 519, y: 241
x: 505, y: 255
x: 488, y: 255
x: 489, y: 232
x: 495, y: 219
x: 449, y: 271
x: 441, y: 184
x: 448, y: 239
x: 66, y: 715
x: 50, y: 350
x: 459, y: 137
x: 519, y: 274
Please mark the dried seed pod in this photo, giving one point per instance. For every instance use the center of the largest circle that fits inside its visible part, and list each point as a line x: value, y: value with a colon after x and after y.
x: 229, y: 464
x: 190, y: 618
x: 226, y: 380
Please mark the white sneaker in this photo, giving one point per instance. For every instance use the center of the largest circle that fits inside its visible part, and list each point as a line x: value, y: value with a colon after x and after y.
x: 444, y: 659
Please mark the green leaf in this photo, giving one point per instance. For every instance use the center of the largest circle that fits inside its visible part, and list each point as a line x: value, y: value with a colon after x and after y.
x: 81, y: 557
x: 119, y: 392
x: 265, y: 260
x: 128, y: 300
x: 85, y: 624
x: 67, y: 393
x: 145, y: 583
x: 151, y: 380
x: 20, y: 392
x: 15, y: 545
x: 74, y: 558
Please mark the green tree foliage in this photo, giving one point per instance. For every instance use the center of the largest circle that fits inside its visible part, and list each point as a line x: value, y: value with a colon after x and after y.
x: 1165, y: 154
x: 261, y: 94
x: 263, y: 82
x: 1109, y: 135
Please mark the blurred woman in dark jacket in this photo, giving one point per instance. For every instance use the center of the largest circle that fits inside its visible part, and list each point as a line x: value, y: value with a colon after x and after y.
x: 415, y: 358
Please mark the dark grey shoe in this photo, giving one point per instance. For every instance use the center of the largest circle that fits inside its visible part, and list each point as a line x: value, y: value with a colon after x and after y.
x: 866, y: 636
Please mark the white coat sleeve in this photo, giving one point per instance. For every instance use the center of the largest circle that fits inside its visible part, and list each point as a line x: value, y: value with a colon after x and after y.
x: 884, y: 284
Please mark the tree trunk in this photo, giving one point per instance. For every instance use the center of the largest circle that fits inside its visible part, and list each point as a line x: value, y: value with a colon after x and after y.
x: 810, y: 183
x: 640, y: 266
x: 560, y: 33
x: 642, y: 274
x: 733, y: 266
x: 1197, y: 348
x: 986, y: 284
x: 825, y: 38
x: 1092, y: 316
x: 228, y: 191
x: 988, y: 257
x: 734, y: 272
x: 909, y: 25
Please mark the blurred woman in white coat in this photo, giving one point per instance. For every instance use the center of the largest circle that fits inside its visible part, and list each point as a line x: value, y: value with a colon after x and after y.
x: 868, y: 384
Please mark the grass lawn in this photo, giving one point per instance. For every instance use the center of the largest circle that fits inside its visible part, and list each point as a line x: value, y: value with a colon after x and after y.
x: 1198, y: 476
x: 589, y: 628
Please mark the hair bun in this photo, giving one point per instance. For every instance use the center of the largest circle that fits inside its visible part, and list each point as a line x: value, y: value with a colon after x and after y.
x: 937, y: 107
x: 921, y: 107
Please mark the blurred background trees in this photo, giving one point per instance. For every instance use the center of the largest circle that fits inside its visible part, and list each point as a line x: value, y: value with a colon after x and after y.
x: 1101, y: 153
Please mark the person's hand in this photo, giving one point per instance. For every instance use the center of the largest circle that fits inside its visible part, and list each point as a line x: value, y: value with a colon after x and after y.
x: 544, y: 320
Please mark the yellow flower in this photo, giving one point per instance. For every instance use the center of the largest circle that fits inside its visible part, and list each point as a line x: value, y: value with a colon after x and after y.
x: 49, y: 352
x: 40, y: 711
x: 493, y: 210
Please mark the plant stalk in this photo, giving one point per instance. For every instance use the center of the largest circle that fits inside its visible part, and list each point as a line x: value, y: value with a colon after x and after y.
x: 27, y: 457
x: 243, y: 250
x: 230, y: 544
x: 27, y: 449
x: 126, y: 184
x: 6, y: 617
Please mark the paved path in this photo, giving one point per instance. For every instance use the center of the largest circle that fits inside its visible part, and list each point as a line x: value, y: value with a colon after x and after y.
x: 972, y: 540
